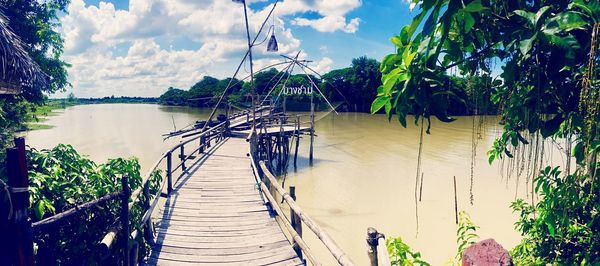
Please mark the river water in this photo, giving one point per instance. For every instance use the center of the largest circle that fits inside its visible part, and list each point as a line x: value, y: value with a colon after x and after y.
x: 363, y: 173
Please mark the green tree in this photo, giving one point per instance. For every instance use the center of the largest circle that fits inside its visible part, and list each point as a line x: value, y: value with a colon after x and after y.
x: 173, y: 96
x: 354, y: 85
x: 71, y: 98
x: 35, y: 23
x: 265, y: 80
x: 365, y: 77
x: 548, y: 88
x: 202, y: 92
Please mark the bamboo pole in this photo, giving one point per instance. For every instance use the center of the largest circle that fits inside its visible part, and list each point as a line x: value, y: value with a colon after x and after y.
x: 421, y: 187
x: 148, y: 226
x: 125, y: 219
x: 297, y: 238
x: 455, y: 202
x: 296, y: 222
x: 334, y: 249
x: 51, y: 221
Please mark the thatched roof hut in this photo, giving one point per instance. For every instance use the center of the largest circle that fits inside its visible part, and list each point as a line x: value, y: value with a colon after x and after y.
x: 17, y: 69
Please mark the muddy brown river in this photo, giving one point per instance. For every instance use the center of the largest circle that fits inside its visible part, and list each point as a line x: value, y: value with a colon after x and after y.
x: 363, y: 173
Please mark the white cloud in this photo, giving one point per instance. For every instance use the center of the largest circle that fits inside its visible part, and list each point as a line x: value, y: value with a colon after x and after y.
x: 329, y: 24
x: 130, y: 52
x: 324, y: 65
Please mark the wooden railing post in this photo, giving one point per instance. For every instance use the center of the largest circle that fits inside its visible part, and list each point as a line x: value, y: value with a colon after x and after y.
x: 20, y: 226
x: 169, y: 173
x: 372, y: 245
x: 148, y: 227
x: 182, y: 157
x: 126, y: 193
x: 296, y: 222
x: 202, y: 142
x: 376, y: 248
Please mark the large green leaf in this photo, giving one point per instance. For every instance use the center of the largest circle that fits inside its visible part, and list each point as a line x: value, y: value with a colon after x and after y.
x: 469, y: 22
x: 529, y: 16
x: 540, y: 15
x: 389, y: 80
x: 379, y: 103
x: 566, y: 21
x: 474, y: 6
x: 590, y: 8
x: 526, y: 45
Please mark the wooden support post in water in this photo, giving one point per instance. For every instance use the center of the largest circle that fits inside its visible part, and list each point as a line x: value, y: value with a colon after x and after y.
x: 297, y: 142
x: 296, y: 222
x: 312, y: 131
x: 182, y: 157
x: 125, y: 219
x: 455, y: 202
x: 20, y: 226
x: 169, y: 173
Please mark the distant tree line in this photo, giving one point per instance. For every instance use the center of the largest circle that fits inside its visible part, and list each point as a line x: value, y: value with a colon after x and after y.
x: 113, y: 99
x: 353, y: 88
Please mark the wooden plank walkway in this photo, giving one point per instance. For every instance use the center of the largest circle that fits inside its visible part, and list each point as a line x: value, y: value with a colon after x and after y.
x: 216, y: 216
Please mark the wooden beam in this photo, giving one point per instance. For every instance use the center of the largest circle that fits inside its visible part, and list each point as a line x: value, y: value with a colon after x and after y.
x: 341, y: 257
x: 18, y: 180
x: 9, y: 88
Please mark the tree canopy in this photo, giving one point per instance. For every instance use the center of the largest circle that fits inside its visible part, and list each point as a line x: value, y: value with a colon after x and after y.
x: 35, y: 23
x: 547, y: 87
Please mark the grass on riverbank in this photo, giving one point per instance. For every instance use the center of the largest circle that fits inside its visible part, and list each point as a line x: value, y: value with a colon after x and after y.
x: 40, y: 114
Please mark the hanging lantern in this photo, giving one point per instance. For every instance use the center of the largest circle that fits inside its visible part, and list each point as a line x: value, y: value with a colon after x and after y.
x: 272, y: 46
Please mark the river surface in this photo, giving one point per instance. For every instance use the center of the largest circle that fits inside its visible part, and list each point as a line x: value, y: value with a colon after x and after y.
x: 364, y: 172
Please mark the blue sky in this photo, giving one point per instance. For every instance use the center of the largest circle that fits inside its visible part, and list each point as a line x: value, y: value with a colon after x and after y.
x: 142, y: 47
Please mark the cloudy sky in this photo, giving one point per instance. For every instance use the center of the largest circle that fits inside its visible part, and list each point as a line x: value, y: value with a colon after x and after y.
x: 142, y: 47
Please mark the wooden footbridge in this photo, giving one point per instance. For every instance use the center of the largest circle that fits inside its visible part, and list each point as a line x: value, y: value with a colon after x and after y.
x: 218, y: 202
x: 221, y: 210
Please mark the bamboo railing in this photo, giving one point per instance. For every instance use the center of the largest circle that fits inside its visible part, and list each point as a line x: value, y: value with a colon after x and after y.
x: 269, y: 187
x: 204, y: 139
x: 21, y: 251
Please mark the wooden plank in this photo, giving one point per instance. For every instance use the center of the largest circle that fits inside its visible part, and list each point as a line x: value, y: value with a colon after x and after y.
x: 281, y: 255
x: 215, y: 215
x: 224, y: 251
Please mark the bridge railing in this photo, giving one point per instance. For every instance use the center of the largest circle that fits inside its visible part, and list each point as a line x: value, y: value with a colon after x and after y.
x: 270, y: 187
x: 200, y: 143
x: 23, y: 231
x: 19, y: 228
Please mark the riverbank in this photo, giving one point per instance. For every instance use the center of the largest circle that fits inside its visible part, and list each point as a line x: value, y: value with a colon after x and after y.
x: 52, y: 107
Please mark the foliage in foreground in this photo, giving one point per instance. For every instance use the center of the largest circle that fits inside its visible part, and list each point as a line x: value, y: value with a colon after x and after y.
x: 402, y: 254
x: 548, y: 88
x: 563, y: 226
x: 61, y: 179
